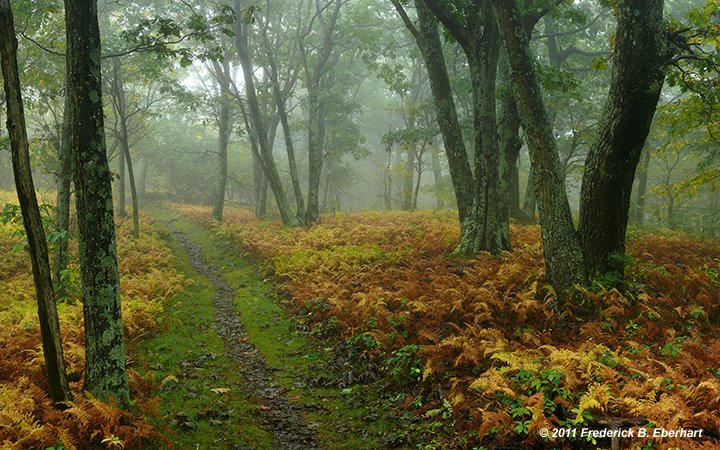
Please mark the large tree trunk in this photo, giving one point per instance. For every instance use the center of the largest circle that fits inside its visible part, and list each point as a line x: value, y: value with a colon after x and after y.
x: 105, y: 369
x: 37, y: 245
x: 510, y: 144
x: 257, y: 126
x: 561, y: 246
x: 640, y: 59
x: 222, y: 74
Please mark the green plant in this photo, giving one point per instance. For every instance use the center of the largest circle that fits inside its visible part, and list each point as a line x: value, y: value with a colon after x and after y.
x: 403, y: 365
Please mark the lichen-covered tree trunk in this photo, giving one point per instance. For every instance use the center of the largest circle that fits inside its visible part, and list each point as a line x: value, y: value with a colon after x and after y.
x: 37, y: 245
x: 105, y: 370
x: 640, y: 59
x: 561, y: 246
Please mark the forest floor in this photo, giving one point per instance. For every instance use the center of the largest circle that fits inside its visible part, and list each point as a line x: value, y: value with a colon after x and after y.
x: 266, y: 384
x: 362, y: 332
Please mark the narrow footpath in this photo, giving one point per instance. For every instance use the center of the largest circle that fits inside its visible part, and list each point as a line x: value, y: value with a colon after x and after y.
x: 277, y: 415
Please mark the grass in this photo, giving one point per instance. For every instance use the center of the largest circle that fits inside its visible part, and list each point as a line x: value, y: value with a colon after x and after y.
x: 352, y: 418
x: 189, y: 358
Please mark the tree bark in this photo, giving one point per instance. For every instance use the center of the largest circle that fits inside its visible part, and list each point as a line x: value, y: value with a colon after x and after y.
x: 125, y: 159
x: 561, y: 246
x: 437, y: 175
x: 642, y: 188
x: 280, y: 99
x: 257, y: 126
x: 640, y: 58
x: 37, y: 245
x: 428, y: 39
x: 222, y: 74
x: 105, y: 370
x: 62, y: 206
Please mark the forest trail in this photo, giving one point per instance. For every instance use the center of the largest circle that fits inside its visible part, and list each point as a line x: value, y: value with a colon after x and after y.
x: 277, y: 414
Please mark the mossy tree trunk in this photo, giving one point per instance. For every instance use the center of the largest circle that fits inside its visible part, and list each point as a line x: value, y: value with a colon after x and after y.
x: 105, y: 369
x: 640, y: 59
x: 37, y: 245
x: 561, y: 245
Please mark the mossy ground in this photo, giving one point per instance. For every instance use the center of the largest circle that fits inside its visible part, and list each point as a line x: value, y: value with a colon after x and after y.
x: 354, y: 417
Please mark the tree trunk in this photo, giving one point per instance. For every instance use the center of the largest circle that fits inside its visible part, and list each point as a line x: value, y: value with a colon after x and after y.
x: 280, y: 103
x: 642, y: 188
x: 37, y: 245
x: 121, y: 210
x: 257, y: 126
x: 510, y: 144
x: 222, y: 74
x: 316, y: 150
x: 62, y: 206
x: 437, y: 175
x: 530, y: 202
x: 561, y: 246
x: 124, y: 144
x: 105, y: 369
x: 428, y: 40
x: 640, y: 59
x: 408, y: 177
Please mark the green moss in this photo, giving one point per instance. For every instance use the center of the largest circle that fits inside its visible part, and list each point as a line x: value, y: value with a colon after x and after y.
x: 189, y: 360
x: 351, y: 418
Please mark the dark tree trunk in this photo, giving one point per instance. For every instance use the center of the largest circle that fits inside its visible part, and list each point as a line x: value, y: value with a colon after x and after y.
x: 123, y: 138
x: 408, y: 177
x: 37, y: 245
x: 105, y: 370
x: 510, y: 144
x: 317, y: 110
x: 257, y: 125
x: 640, y: 59
x: 222, y: 74
x: 62, y: 206
x: 561, y: 246
x: 642, y: 188
x: 121, y: 210
x: 530, y: 202
x: 280, y: 98
x: 428, y: 40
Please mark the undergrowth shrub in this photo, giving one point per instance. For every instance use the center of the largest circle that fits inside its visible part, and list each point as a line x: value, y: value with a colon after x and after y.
x: 483, y: 339
x: 27, y: 417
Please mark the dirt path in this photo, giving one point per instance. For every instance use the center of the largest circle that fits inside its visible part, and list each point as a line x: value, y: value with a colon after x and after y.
x: 277, y: 414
